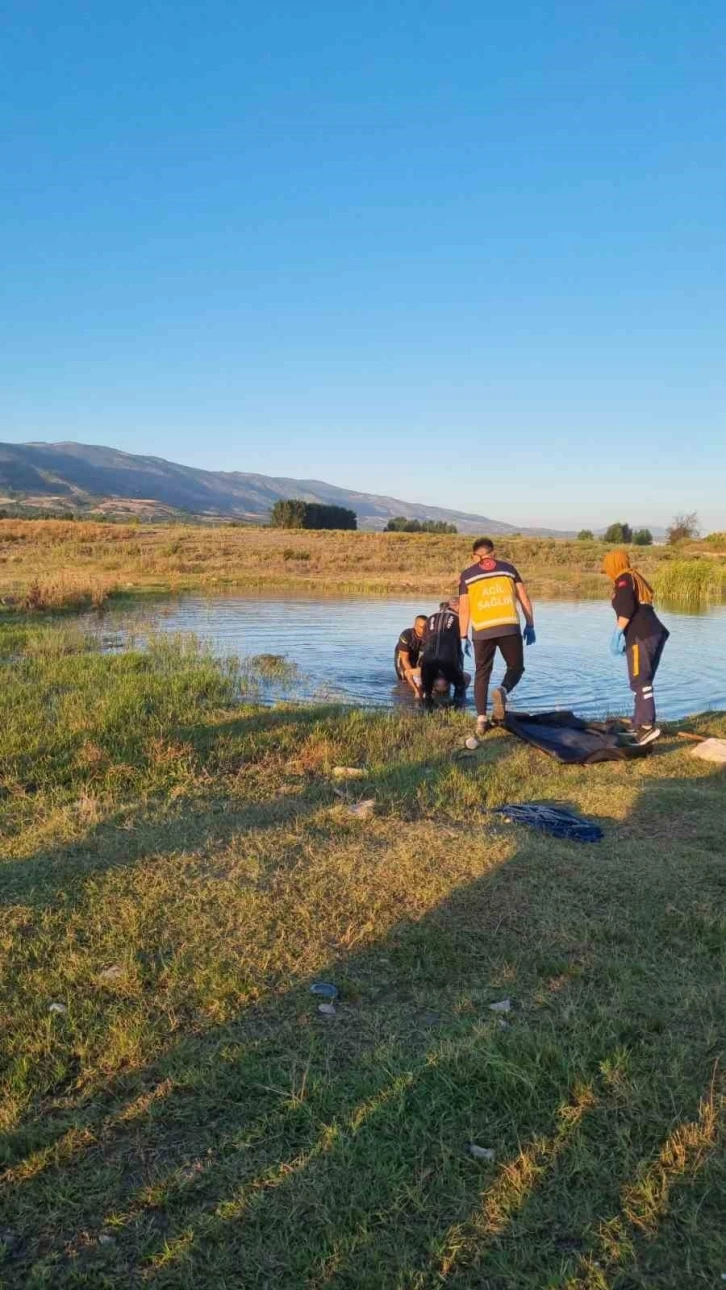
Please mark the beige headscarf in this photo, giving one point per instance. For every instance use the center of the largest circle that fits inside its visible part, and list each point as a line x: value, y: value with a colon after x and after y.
x: 617, y: 562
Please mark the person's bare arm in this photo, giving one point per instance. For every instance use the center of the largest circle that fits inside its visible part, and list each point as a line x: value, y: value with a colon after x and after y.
x: 622, y: 623
x: 463, y: 616
x: 408, y: 671
x: 525, y: 602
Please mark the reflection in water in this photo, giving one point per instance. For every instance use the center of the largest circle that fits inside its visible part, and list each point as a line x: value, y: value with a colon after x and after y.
x: 344, y: 650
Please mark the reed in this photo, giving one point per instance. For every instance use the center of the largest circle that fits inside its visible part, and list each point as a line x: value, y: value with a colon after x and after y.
x: 66, y: 592
x: 690, y: 583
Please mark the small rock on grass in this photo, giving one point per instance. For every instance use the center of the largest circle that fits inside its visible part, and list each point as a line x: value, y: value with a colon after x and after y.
x: 363, y: 810
x: 57, y: 1007
x: 471, y: 743
x: 481, y: 1153
x: 503, y: 1005
x: 326, y: 1009
x: 105, y: 1238
x: 111, y: 973
x: 711, y: 750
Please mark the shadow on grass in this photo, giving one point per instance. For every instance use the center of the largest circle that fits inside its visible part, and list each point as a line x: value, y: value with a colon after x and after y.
x: 232, y: 747
x: 286, y: 1148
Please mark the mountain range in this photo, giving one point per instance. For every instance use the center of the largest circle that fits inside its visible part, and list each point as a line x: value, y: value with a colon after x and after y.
x: 85, y: 478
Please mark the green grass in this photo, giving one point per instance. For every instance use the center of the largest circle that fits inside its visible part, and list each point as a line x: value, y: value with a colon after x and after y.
x: 691, y: 583
x: 178, y: 868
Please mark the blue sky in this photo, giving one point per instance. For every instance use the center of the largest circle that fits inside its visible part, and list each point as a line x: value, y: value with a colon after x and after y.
x: 461, y: 253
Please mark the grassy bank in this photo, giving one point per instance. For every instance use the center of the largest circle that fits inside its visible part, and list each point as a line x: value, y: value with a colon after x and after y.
x: 51, y: 564
x: 177, y: 869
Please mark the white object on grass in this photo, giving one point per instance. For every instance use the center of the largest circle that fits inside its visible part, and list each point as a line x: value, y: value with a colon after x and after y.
x: 711, y: 750
x: 481, y: 1153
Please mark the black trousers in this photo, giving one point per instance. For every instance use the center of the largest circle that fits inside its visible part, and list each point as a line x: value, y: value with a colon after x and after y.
x: 643, y: 660
x: 512, y: 651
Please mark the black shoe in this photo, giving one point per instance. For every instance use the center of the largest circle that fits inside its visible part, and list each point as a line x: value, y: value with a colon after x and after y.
x: 646, y: 735
x: 499, y: 704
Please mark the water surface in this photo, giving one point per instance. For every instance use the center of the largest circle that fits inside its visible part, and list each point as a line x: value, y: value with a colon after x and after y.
x: 344, y: 649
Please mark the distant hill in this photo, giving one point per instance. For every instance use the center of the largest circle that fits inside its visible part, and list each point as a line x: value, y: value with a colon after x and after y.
x: 83, y: 477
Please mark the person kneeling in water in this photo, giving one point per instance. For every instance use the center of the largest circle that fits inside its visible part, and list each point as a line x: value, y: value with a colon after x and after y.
x: 640, y: 635
x: 406, y: 659
x: 442, y: 660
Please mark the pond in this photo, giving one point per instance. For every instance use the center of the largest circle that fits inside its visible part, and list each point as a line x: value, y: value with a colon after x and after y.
x: 343, y: 649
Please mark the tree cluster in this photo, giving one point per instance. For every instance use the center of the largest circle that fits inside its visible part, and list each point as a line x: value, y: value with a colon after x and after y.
x: 293, y: 513
x: 621, y: 534
x: 399, y: 524
x: 34, y: 513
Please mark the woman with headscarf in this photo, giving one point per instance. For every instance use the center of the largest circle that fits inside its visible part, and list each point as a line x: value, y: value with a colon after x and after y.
x: 640, y: 635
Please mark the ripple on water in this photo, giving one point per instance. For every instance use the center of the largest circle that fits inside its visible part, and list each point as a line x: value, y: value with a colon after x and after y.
x: 344, y: 649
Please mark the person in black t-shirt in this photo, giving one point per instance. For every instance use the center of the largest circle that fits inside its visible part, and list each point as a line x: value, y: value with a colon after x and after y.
x: 640, y: 635
x: 442, y: 659
x: 408, y: 652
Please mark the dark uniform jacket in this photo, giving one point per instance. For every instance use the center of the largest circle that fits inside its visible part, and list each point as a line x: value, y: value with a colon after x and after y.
x: 644, y: 621
x: 442, y: 640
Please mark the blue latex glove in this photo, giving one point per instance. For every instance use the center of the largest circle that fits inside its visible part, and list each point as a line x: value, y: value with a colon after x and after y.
x: 530, y: 636
x: 465, y: 645
x: 617, y: 642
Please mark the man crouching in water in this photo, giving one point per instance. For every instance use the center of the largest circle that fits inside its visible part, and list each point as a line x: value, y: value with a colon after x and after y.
x: 407, y: 655
x: 442, y: 660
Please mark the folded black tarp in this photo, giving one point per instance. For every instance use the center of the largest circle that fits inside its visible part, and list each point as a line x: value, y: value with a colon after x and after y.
x: 570, y: 739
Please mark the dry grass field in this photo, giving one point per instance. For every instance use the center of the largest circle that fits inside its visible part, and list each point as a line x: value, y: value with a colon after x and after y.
x: 61, y: 564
